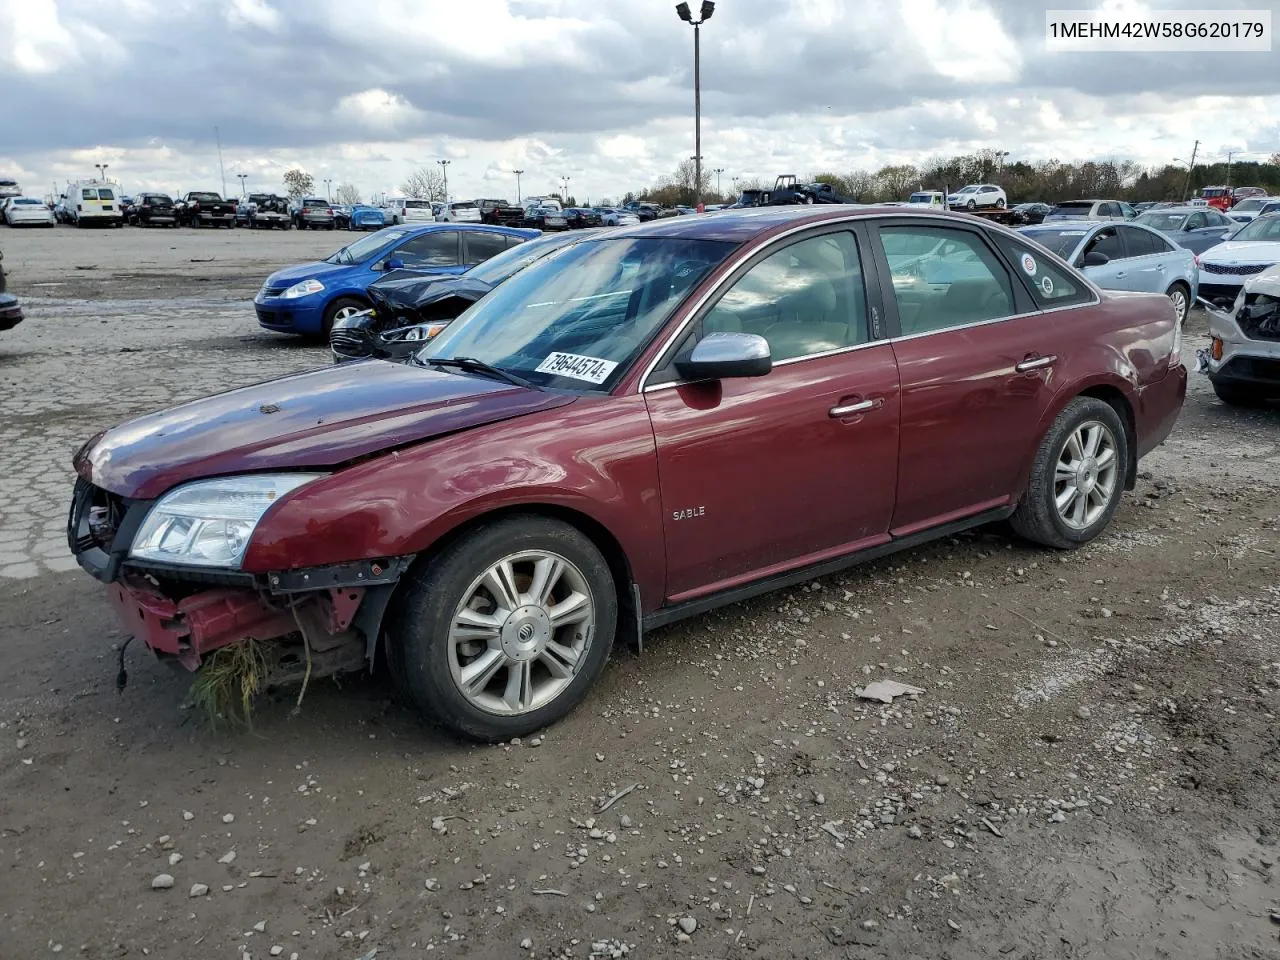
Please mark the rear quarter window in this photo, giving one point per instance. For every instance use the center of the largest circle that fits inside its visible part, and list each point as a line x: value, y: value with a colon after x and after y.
x: 1050, y: 285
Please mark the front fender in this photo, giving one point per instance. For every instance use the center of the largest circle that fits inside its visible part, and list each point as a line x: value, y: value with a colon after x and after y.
x: 595, y: 457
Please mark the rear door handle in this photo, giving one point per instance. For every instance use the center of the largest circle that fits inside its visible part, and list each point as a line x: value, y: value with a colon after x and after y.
x: 1035, y: 363
x: 849, y: 409
x: 1121, y: 275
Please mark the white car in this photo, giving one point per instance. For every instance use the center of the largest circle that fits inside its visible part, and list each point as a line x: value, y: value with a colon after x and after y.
x: 400, y: 210
x: 459, y: 212
x: 613, y: 217
x: 977, y: 195
x: 1253, y: 207
x: 1226, y: 266
x: 27, y: 210
x: 926, y: 198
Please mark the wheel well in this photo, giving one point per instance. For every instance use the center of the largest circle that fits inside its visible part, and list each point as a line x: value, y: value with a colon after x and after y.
x: 595, y: 531
x: 1120, y: 403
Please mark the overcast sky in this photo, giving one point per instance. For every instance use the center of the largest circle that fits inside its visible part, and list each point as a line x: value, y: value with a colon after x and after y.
x: 597, y: 90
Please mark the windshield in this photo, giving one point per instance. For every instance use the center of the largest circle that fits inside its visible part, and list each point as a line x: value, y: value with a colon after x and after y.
x: 1213, y: 192
x: 514, y: 259
x: 1264, y: 228
x: 26, y: 202
x: 920, y: 198
x: 366, y: 246
x: 1166, y: 222
x: 463, y: 206
x: 578, y: 319
x: 1246, y: 205
x: 1061, y: 242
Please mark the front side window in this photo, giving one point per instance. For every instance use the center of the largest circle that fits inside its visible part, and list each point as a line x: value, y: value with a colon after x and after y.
x: 438, y: 248
x: 1051, y: 286
x: 944, y: 278
x: 1197, y: 221
x: 1107, y: 243
x: 578, y: 319
x: 807, y: 298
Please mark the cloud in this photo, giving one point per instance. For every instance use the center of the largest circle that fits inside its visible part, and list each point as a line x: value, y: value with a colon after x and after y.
x: 599, y: 90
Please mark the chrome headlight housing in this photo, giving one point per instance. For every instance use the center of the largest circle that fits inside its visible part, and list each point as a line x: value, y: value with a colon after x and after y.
x: 208, y: 523
x: 303, y: 288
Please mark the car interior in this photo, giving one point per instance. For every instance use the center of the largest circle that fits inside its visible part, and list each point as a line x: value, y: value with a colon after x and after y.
x: 944, y: 278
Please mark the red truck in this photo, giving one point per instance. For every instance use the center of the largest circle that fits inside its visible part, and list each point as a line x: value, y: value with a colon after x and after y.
x: 1224, y: 198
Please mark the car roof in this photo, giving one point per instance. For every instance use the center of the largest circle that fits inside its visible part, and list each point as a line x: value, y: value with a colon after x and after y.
x: 744, y: 223
x: 483, y: 227
x: 1184, y: 209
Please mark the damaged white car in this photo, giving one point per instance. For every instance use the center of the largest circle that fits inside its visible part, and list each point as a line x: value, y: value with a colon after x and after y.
x: 1243, y: 357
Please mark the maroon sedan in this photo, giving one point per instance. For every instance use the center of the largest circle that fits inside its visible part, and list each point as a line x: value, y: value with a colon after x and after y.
x: 642, y: 427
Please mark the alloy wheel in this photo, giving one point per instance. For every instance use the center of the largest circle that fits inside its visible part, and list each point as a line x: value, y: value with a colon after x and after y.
x: 343, y: 312
x: 1180, y: 304
x: 1086, y: 475
x: 521, y: 633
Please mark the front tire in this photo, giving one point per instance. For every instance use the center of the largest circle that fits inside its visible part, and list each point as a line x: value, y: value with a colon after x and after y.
x: 971, y: 205
x: 505, y: 630
x: 1079, y: 472
x: 340, y: 309
x: 1238, y: 394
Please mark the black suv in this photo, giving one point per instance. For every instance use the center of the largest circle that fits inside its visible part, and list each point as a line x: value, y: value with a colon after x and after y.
x: 151, y: 210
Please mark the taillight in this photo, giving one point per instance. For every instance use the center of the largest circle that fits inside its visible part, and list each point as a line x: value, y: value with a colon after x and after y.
x: 331, y: 211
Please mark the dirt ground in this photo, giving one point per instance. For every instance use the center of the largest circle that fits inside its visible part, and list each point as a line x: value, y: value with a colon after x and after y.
x: 1090, y: 772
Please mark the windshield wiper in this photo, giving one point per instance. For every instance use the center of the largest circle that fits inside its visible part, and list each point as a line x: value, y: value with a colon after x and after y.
x: 473, y: 365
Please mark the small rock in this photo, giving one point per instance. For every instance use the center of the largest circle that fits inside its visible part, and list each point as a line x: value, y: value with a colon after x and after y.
x: 432, y: 883
x: 162, y: 882
x: 199, y: 890
x: 535, y: 742
x: 953, y: 925
x: 227, y: 857
x: 260, y: 926
x: 526, y: 944
x: 624, y: 821
x: 277, y: 950
x: 595, y: 833
x: 366, y: 866
x: 688, y: 924
x: 1058, y: 817
x: 188, y: 815
x: 914, y: 832
x: 175, y: 859
x: 869, y: 924
x: 600, y: 758
x: 1083, y: 712
x: 228, y: 818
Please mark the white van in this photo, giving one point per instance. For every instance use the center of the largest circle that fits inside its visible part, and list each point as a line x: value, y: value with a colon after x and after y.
x: 94, y: 201
x: 407, y: 210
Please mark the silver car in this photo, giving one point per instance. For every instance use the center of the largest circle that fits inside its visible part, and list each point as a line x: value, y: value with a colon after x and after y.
x: 1196, y: 228
x: 1243, y: 357
x: 1124, y: 256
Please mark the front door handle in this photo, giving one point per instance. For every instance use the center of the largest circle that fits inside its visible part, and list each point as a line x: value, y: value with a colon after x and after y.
x: 1035, y: 363
x: 850, y: 409
x: 1121, y: 275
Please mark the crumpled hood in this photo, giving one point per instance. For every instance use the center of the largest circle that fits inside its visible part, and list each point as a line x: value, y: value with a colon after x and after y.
x: 1232, y: 252
x: 322, y: 418
x: 406, y: 293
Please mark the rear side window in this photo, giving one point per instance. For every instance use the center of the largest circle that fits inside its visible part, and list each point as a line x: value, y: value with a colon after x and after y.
x: 1140, y: 243
x: 106, y: 195
x: 88, y: 194
x: 481, y: 246
x: 1050, y: 284
x: 944, y: 278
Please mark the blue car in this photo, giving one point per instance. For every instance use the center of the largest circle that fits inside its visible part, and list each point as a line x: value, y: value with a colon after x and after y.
x: 364, y: 217
x: 307, y: 298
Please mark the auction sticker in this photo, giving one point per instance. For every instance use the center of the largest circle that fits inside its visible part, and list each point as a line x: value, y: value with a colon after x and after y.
x: 1046, y: 284
x: 1029, y: 264
x: 591, y: 369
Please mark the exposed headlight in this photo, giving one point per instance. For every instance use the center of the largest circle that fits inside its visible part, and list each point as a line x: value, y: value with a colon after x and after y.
x: 303, y: 289
x: 208, y: 523
x: 1235, y: 307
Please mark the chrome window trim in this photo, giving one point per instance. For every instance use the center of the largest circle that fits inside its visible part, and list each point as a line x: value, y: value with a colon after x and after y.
x: 646, y: 387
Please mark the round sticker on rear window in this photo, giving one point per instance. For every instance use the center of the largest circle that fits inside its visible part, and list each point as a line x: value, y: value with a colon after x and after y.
x: 1029, y: 264
x: 1046, y: 284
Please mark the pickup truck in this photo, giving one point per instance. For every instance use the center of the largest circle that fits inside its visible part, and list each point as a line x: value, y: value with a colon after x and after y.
x: 199, y: 207
x: 263, y: 211
x: 500, y: 213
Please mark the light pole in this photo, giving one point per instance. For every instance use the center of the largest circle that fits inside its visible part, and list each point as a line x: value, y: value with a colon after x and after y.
x: 327, y: 194
x: 704, y: 14
x: 102, y: 171
x: 564, y: 191
x: 444, y: 165
x: 518, y: 195
x: 717, y: 171
x: 243, y: 177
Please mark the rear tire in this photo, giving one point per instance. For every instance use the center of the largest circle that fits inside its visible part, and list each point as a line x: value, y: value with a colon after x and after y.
x: 543, y: 660
x: 1074, y: 491
x: 1180, y: 295
x: 1238, y: 394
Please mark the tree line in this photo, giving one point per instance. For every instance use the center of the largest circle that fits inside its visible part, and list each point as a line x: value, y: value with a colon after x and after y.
x: 1049, y: 181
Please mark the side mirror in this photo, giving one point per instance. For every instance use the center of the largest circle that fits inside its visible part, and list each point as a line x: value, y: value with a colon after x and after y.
x: 1095, y: 259
x: 720, y: 356
x: 393, y: 263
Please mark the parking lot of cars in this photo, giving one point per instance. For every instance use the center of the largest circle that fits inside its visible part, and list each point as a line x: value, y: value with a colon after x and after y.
x: 715, y: 794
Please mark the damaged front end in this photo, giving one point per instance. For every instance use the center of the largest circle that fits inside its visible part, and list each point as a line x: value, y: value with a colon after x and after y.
x: 1244, y: 338
x: 308, y: 622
